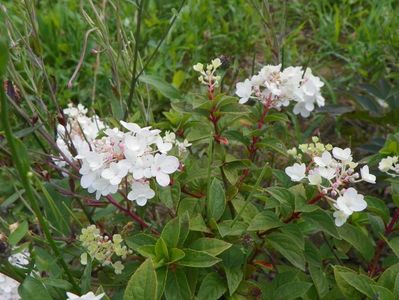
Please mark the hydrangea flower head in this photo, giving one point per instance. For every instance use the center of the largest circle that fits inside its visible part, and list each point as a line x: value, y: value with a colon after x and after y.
x: 276, y: 88
x: 332, y: 171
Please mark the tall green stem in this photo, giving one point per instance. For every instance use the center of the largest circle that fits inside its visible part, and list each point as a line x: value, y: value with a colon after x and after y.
x: 20, y: 159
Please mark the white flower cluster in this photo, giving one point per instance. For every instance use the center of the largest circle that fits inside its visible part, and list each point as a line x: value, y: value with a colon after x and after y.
x: 80, y: 130
x: 208, y: 76
x: 119, y: 158
x: 103, y: 248
x: 332, y: 170
x: 389, y: 165
x: 88, y: 296
x: 276, y: 88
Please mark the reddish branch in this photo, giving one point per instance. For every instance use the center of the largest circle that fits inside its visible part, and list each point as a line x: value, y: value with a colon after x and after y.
x: 373, y: 267
x: 192, y: 194
x: 130, y: 214
x: 296, y: 214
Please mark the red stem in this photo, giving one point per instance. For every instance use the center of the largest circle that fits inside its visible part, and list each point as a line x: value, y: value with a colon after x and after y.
x: 373, y: 267
x: 297, y: 214
x: 131, y: 214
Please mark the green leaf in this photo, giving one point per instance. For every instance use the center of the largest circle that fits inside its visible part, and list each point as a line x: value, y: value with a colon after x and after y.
x: 210, y: 245
x: 184, y: 228
x: 177, y: 287
x: 197, y: 259
x: 176, y: 255
x: 360, y: 241
x: 161, y: 250
x: 265, y: 220
x: 394, y: 245
x: 166, y: 89
x: 147, y: 251
x: 85, y: 281
x: 212, y: 287
x: 320, y: 281
x: 282, y: 195
x: 323, y: 221
x: 225, y: 228
x: 3, y: 54
x: 389, y: 279
x: 18, y: 234
x: 143, y: 284
x: 162, y: 274
x: 216, y: 200
x: 33, y: 289
x: 378, y: 207
x: 171, y: 232
x: 361, y: 283
x: 284, y: 244
x: 197, y: 223
x: 291, y: 290
x: 234, y: 276
x: 136, y: 241
x: 249, y: 212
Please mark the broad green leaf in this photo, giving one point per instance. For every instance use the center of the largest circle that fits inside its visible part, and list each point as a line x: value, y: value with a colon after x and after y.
x: 177, y: 287
x: 184, y: 228
x: 18, y: 234
x: 383, y: 293
x: 226, y: 229
x: 389, y: 279
x: 212, y: 287
x: 234, y: 276
x: 147, y: 251
x: 282, y: 195
x: 288, y: 248
x: 210, y: 245
x: 143, y: 284
x: 140, y: 239
x: 323, y: 221
x: 216, y: 200
x: 162, y: 274
x: 347, y: 289
x: 291, y: 290
x: 358, y: 240
x: 197, y: 259
x: 378, y: 207
x: 249, y: 212
x: 265, y: 220
x: 320, y: 281
x: 197, y: 223
x: 394, y: 245
x: 166, y: 89
x: 33, y: 289
x: 175, y: 255
x: 161, y: 250
x: 171, y: 233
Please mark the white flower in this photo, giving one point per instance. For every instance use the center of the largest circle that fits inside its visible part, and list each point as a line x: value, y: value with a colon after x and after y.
x: 327, y: 173
x: 162, y: 166
x: 314, y: 179
x: 140, y: 193
x: 366, y: 176
x: 386, y: 163
x: 8, y: 288
x: 342, y: 154
x: 88, y: 296
x: 351, y: 201
x: 198, y: 67
x: 296, y: 172
x: 116, y: 172
x: 325, y: 160
x: 244, y: 90
x: 340, y: 217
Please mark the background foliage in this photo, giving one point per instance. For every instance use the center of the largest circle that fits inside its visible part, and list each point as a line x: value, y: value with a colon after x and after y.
x: 194, y: 249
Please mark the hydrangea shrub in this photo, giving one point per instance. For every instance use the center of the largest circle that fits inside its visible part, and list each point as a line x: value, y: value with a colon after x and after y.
x: 222, y: 199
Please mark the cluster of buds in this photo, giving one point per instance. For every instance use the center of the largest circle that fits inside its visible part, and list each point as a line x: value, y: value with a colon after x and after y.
x: 119, y: 159
x: 389, y: 165
x: 102, y: 248
x: 332, y: 170
x: 275, y: 88
x: 208, y: 76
